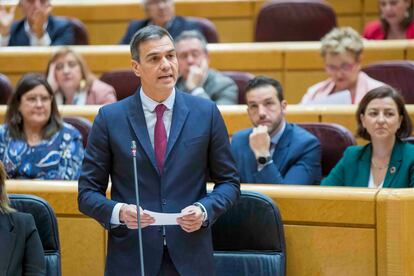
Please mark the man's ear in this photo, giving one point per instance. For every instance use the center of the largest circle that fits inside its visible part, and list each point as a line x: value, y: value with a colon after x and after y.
x: 284, y: 105
x: 136, y: 67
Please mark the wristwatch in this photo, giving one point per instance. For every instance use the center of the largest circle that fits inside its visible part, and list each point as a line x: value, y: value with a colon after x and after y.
x: 263, y: 160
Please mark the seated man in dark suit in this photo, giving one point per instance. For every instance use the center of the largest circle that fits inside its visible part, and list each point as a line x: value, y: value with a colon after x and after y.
x: 195, y: 75
x: 37, y: 28
x: 160, y: 13
x: 274, y: 151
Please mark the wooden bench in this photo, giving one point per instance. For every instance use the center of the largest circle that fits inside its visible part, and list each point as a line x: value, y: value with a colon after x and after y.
x: 297, y: 65
x: 329, y: 230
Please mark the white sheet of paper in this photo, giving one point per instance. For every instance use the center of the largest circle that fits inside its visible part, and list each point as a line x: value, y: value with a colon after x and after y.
x: 164, y: 218
x: 340, y: 97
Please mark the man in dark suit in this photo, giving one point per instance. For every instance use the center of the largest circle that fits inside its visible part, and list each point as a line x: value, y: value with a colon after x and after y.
x: 195, y: 75
x: 160, y: 13
x: 274, y: 151
x: 37, y: 28
x: 180, y: 139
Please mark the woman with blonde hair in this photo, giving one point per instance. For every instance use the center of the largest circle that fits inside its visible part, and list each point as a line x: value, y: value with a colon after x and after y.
x: 341, y: 50
x: 73, y: 82
x: 21, y: 249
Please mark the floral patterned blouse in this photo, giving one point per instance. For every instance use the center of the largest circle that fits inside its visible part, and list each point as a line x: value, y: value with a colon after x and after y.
x: 58, y: 158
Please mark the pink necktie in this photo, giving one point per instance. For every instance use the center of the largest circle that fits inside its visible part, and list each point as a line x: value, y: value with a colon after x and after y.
x: 160, y: 137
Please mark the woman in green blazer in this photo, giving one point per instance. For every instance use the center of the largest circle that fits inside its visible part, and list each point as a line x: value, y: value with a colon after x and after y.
x: 385, y: 162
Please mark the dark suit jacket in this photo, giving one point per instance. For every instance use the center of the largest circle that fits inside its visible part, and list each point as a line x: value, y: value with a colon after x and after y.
x: 177, y: 26
x: 59, y: 29
x: 296, y: 159
x: 21, y: 251
x: 217, y: 87
x: 197, y: 144
x: 355, y: 166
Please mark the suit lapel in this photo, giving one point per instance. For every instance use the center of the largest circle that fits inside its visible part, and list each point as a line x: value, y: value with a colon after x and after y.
x: 395, y: 163
x: 180, y: 113
x: 137, y: 120
x: 282, y: 147
x: 7, y: 241
x: 364, y: 168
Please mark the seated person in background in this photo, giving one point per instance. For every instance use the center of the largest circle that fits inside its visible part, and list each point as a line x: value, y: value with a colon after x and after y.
x: 160, y: 13
x: 34, y: 142
x: 195, y: 75
x: 73, y: 82
x: 386, y: 162
x: 341, y: 50
x: 274, y: 151
x: 37, y: 28
x: 21, y: 249
x: 396, y: 21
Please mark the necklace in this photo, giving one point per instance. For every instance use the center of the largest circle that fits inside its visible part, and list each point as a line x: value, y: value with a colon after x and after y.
x: 377, y: 166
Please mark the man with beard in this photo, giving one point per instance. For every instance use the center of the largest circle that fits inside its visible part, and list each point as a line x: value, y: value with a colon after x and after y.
x: 274, y: 151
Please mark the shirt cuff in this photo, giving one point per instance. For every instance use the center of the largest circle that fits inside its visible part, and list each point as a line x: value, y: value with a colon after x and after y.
x: 205, y: 218
x: 4, y: 40
x: 115, y: 214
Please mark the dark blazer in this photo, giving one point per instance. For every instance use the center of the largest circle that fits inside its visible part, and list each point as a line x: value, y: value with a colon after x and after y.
x: 296, y: 159
x: 21, y: 251
x: 177, y: 26
x: 59, y: 29
x: 217, y: 87
x: 355, y: 166
x: 198, y: 144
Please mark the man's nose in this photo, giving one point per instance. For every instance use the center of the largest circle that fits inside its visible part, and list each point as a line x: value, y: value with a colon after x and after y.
x: 165, y: 63
x: 262, y: 110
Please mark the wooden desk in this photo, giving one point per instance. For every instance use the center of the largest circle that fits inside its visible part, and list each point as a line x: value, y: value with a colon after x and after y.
x: 235, y: 19
x: 328, y: 230
x: 297, y: 65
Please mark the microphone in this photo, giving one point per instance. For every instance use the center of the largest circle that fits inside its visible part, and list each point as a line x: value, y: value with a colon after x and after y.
x: 134, y: 157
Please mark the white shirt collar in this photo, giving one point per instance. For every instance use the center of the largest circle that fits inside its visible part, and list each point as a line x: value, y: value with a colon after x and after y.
x: 150, y: 104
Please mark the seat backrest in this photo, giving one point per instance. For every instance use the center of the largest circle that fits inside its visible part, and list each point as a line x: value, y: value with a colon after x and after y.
x: 124, y: 81
x: 46, y: 225
x: 6, y: 89
x: 249, y: 238
x: 80, y: 31
x: 294, y: 20
x: 208, y: 29
x: 334, y: 140
x: 398, y: 74
x: 241, y: 79
x: 82, y: 124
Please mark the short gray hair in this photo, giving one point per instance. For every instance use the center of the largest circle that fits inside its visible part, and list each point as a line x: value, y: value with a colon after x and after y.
x: 148, y: 33
x: 190, y: 35
x: 340, y: 40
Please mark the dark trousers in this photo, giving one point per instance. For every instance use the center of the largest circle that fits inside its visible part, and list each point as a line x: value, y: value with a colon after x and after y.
x: 167, y: 265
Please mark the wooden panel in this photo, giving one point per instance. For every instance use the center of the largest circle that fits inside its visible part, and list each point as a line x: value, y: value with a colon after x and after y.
x: 346, y: 7
x: 302, y: 55
x: 313, y: 250
x: 102, y: 33
x: 410, y: 51
x: 82, y: 242
x: 371, y: 6
x: 353, y: 21
x: 295, y: 89
x: 227, y: 32
x: 387, y: 50
x: 395, y: 232
x: 319, y: 205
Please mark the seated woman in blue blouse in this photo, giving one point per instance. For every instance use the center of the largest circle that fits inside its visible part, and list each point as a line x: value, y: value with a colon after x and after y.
x: 386, y: 162
x: 34, y: 142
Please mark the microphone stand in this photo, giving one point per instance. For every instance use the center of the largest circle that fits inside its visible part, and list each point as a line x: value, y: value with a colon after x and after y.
x: 134, y: 157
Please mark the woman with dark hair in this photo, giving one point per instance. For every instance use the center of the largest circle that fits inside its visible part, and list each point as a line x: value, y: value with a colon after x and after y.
x: 396, y: 21
x: 385, y: 162
x: 21, y: 251
x: 34, y: 142
x: 73, y: 83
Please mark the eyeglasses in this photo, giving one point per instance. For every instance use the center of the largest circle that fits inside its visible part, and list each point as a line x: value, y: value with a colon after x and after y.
x: 344, y: 67
x: 32, y: 100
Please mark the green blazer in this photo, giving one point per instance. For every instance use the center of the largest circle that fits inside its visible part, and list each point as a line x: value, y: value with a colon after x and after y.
x: 355, y: 166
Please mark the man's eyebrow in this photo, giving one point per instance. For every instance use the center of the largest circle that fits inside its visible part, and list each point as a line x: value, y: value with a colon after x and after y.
x: 155, y: 53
